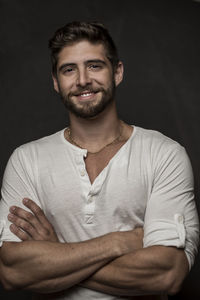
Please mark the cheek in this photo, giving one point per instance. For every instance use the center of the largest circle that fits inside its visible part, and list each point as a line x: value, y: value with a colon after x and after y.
x: 105, y: 79
x: 66, y: 85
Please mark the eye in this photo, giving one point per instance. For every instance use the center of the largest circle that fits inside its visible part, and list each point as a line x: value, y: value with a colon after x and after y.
x: 94, y: 66
x: 68, y: 70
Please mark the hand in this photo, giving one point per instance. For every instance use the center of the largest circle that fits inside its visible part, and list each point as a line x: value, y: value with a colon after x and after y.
x: 31, y: 226
x: 131, y: 240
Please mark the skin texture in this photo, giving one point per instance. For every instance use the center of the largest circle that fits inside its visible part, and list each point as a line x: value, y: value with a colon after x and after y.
x: 117, y: 277
x: 62, y: 265
x: 97, y: 130
x: 92, y: 76
x: 115, y: 263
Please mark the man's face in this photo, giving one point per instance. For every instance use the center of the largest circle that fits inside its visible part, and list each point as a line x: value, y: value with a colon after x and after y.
x: 85, y: 78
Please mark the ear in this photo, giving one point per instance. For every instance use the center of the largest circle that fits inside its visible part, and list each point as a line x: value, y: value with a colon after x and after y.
x: 55, y: 83
x: 119, y: 72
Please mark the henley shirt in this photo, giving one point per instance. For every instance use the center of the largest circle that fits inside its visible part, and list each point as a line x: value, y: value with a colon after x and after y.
x: 148, y: 183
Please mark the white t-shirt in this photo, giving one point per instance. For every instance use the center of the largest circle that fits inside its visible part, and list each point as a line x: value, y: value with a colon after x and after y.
x: 147, y: 183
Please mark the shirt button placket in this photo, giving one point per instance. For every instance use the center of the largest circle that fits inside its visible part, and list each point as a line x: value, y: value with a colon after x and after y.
x: 90, y: 199
x: 82, y: 172
x: 89, y: 209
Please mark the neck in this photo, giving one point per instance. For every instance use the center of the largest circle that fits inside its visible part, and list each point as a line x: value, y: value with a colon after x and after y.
x: 93, y: 133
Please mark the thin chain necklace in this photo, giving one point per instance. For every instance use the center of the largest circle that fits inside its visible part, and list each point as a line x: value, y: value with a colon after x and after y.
x: 109, y: 144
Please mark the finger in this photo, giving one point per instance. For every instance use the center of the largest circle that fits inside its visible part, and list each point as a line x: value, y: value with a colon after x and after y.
x: 38, y: 212
x: 19, y: 233
x: 25, y: 215
x: 46, y: 230
x: 23, y: 225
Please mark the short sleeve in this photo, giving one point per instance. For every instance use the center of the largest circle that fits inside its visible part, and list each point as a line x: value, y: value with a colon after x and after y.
x: 18, y: 183
x: 171, y: 217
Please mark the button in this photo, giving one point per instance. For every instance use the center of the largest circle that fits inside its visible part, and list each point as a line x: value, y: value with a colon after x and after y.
x: 90, y: 200
x: 78, y: 160
x: 180, y: 219
x: 82, y: 172
x: 89, y: 219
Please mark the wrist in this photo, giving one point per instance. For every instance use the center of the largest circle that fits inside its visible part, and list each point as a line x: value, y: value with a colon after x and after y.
x: 118, y: 243
x: 113, y: 245
x: 128, y: 241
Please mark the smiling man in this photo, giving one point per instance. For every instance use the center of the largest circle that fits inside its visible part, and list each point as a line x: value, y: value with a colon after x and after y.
x: 85, y: 81
x: 101, y: 209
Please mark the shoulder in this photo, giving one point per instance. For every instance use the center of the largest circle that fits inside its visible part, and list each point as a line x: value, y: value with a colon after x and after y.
x: 39, y: 147
x: 159, y: 149
x: 155, y: 142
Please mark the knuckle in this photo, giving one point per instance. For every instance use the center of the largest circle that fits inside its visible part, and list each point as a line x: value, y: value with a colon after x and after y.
x: 22, y: 235
x: 27, y: 227
x: 16, y: 210
x: 18, y: 232
x: 19, y: 211
x: 33, y: 206
x: 13, y: 228
x: 45, y: 232
x: 37, y: 211
x: 49, y: 227
x: 21, y: 224
x: 29, y: 216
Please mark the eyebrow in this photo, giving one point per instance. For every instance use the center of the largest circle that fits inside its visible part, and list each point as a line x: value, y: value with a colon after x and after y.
x: 96, y: 61
x: 65, y: 65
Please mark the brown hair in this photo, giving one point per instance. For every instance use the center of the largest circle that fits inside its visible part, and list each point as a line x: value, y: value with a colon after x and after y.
x: 94, y: 32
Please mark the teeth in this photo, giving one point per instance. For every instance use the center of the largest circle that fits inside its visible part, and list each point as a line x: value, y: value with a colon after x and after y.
x: 86, y: 94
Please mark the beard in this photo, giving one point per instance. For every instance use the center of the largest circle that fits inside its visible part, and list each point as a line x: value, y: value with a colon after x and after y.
x: 89, y: 109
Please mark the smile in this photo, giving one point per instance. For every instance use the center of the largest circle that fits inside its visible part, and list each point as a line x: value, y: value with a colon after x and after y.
x: 86, y: 95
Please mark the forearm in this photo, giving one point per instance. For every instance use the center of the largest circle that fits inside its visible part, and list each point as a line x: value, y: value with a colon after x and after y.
x: 62, y: 283
x: 41, y: 265
x: 150, y: 270
x: 60, y: 265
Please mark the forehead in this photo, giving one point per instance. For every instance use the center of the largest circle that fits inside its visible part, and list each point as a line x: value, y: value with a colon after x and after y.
x: 80, y: 52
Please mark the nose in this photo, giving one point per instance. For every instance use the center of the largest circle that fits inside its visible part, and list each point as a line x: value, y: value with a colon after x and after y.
x: 83, y: 78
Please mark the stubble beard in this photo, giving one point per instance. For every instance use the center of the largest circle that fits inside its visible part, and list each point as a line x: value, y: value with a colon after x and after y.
x: 88, y: 109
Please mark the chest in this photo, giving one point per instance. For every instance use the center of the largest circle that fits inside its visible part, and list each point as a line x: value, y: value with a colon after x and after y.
x: 116, y: 199
x: 95, y: 163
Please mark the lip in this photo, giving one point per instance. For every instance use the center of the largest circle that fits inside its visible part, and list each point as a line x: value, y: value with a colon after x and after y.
x: 86, y: 95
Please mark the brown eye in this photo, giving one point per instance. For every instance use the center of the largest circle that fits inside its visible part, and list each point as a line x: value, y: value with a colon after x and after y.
x: 68, y: 70
x: 94, y: 66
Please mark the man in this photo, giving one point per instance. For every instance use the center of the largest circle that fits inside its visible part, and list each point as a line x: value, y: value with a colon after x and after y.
x: 80, y: 199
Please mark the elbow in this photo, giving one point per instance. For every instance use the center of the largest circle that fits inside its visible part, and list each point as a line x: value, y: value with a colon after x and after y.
x: 175, y: 275
x: 174, y: 287
x: 9, y: 278
x: 173, y: 283
x: 9, y: 275
x: 6, y: 279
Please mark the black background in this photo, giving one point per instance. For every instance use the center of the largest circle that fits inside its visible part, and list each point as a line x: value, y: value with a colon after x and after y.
x: 159, y: 43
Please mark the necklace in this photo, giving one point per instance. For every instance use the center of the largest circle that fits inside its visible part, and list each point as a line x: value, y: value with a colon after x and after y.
x: 109, y: 144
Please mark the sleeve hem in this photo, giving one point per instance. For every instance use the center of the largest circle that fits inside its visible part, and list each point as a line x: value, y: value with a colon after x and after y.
x: 168, y: 233
x: 165, y: 232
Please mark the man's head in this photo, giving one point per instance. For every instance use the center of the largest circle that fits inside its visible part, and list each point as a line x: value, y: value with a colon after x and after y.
x: 85, y: 68
x: 71, y: 33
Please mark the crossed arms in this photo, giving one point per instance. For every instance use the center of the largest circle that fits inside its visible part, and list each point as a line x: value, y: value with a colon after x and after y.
x: 115, y: 263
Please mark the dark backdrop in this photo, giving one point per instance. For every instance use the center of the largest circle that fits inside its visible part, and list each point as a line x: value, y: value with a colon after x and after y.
x: 159, y: 43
